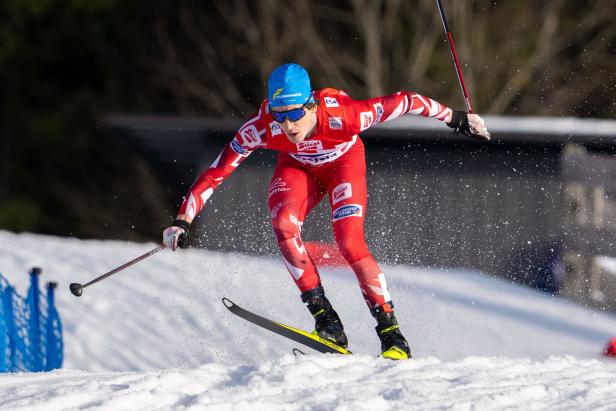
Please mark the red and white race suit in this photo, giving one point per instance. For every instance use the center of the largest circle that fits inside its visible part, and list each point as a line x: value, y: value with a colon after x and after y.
x: 330, y: 161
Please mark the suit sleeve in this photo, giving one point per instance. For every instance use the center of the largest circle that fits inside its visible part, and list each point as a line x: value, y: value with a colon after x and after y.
x: 247, y: 139
x: 363, y: 114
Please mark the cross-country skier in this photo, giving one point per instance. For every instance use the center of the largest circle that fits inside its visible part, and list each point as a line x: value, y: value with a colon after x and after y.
x: 320, y: 152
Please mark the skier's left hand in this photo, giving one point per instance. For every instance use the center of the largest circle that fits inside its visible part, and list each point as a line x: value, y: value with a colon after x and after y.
x: 176, y: 235
x: 469, y: 124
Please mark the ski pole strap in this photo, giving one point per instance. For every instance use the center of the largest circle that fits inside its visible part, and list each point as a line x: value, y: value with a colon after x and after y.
x: 459, y: 123
x: 183, y: 238
x: 182, y: 224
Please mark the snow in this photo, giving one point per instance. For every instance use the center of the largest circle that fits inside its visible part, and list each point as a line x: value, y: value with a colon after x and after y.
x: 156, y: 336
x: 319, y: 382
x: 606, y: 263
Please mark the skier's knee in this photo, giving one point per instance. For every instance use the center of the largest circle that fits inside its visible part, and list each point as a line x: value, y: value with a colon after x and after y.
x: 286, y: 226
x: 352, y: 249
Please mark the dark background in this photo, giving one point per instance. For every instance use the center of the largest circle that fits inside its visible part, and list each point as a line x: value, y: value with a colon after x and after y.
x: 66, y: 66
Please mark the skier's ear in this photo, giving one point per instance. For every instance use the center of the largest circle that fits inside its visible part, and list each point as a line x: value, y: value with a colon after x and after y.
x: 312, y: 106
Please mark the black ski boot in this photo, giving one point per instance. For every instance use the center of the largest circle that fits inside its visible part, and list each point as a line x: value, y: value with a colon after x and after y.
x: 393, y: 343
x: 327, y: 323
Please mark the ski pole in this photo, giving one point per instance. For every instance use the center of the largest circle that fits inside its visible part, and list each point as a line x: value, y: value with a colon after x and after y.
x: 77, y: 289
x: 455, y: 56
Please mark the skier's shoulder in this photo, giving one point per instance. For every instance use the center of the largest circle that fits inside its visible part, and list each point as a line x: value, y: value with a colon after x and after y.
x: 330, y: 92
x: 251, y: 134
x: 332, y: 98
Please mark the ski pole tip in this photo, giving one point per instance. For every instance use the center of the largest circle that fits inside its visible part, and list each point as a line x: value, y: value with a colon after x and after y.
x: 76, y: 289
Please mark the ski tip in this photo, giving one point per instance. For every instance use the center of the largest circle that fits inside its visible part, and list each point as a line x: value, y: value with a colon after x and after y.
x: 228, y: 303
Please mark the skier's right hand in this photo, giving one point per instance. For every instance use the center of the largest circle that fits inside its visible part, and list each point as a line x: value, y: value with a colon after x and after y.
x: 470, y: 125
x: 176, y: 235
x: 478, y: 127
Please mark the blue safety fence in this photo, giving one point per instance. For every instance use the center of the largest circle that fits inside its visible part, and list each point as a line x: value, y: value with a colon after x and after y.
x: 30, y: 328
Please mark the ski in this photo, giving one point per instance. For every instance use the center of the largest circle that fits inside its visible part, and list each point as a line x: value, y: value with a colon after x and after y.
x: 309, y: 340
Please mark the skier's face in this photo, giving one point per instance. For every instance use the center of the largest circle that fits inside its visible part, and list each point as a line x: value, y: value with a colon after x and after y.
x: 297, y: 131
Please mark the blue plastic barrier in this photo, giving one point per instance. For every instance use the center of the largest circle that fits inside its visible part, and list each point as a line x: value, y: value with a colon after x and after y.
x: 30, y: 328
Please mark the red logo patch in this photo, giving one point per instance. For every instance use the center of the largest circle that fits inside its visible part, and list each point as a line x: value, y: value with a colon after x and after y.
x: 310, y: 145
x: 251, y: 137
x: 341, y: 192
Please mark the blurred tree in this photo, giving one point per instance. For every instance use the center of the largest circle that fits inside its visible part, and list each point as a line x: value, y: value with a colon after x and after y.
x: 531, y: 58
x: 66, y: 63
x: 59, y: 174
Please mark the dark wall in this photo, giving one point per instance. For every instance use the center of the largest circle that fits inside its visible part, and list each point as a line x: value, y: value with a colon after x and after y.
x: 490, y: 206
x: 462, y: 204
x: 535, y: 204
